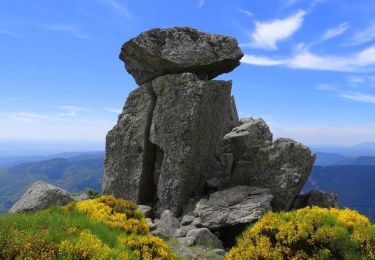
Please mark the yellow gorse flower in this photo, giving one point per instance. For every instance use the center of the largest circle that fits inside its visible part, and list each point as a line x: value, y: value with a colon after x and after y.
x: 309, y: 233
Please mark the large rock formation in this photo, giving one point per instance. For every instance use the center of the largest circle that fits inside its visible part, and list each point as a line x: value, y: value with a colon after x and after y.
x: 41, y: 195
x: 179, y: 140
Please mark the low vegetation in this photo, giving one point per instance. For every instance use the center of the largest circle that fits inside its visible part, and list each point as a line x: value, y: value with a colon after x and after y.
x: 309, y: 233
x: 101, y: 228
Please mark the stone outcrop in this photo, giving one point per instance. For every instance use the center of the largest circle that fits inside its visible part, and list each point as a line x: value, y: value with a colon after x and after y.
x: 186, y: 135
x: 180, y: 148
x: 233, y: 206
x: 318, y: 198
x: 39, y: 196
x: 283, y: 166
x: 158, y: 52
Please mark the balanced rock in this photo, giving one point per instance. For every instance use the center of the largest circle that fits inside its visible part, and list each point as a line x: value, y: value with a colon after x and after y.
x: 39, y: 196
x: 158, y: 52
x: 233, y: 206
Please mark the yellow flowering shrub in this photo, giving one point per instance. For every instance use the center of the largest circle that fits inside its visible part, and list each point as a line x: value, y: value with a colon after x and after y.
x: 116, y: 213
x: 147, y: 247
x: 100, y: 228
x: 88, y: 246
x: 308, y: 233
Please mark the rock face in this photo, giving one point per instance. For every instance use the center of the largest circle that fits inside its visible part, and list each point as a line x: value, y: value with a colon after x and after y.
x: 158, y: 52
x: 40, y: 196
x: 233, y: 206
x: 316, y: 198
x: 283, y: 166
x: 186, y: 135
x: 129, y: 154
x: 180, y: 148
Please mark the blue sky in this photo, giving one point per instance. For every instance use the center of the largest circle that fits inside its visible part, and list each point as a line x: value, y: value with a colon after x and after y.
x: 308, y: 69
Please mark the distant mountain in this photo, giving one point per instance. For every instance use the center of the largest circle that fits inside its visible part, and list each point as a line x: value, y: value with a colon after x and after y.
x: 355, y: 185
x: 74, y: 174
x: 361, y: 160
x: 326, y: 159
x: 8, y: 161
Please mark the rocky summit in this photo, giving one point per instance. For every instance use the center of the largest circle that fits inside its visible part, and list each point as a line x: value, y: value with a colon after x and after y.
x: 179, y: 145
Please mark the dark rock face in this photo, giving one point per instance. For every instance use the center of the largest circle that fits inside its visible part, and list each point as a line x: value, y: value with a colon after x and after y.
x: 316, y: 198
x: 187, y: 135
x: 39, y: 196
x: 158, y: 52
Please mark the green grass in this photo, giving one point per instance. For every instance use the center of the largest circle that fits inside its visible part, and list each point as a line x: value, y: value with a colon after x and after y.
x: 51, y: 226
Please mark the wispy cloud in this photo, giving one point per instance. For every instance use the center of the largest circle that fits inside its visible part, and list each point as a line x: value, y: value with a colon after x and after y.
x: 119, y: 8
x: 267, y: 34
x: 336, y: 31
x: 244, y: 11
x: 356, y: 80
x: 364, y: 36
x: 72, y: 30
x: 201, y: 3
x: 13, y: 34
x: 326, y: 87
x: 72, y: 111
x: 112, y: 110
x: 25, y: 117
x: 359, y: 97
x: 292, y: 2
x: 304, y: 59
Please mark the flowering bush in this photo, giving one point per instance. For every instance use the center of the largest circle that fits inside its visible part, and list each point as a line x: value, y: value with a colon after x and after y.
x: 116, y: 213
x: 147, y: 247
x: 309, y: 233
x: 101, y: 228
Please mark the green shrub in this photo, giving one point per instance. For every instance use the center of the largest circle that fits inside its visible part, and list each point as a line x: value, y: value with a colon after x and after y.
x: 91, y: 229
x: 309, y: 233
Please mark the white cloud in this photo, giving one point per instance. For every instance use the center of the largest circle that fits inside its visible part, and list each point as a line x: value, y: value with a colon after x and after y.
x: 336, y: 31
x: 292, y: 2
x: 72, y: 30
x: 326, y: 87
x: 268, y: 34
x: 119, y: 8
x: 112, y: 110
x: 72, y: 111
x: 9, y: 33
x: 356, y: 80
x: 245, y: 12
x: 304, y: 59
x: 359, y: 97
x: 364, y: 36
x: 25, y: 117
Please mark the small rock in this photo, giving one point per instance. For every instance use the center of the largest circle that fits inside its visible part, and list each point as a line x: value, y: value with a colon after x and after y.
x: 182, y: 231
x: 39, y: 196
x: 197, y: 222
x: 204, y: 237
x: 187, y: 220
x: 187, y: 241
x: 146, y: 210
x: 81, y: 197
x: 167, y: 225
x: 322, y: 199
